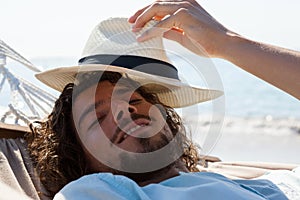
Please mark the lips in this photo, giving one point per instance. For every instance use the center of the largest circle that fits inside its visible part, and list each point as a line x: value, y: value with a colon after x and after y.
x: 130, y: 128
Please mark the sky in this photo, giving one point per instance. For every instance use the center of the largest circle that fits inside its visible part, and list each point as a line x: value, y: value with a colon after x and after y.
x: 60, y: 28
x: 54, y: 28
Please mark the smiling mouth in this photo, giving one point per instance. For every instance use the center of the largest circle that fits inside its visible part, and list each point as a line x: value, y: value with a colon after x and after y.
x: 129, y: 132
x: 125, y: 133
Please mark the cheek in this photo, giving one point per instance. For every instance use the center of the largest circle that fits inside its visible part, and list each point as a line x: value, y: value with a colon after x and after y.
x: 157, y: 110
x: 95, y: 141
x: 99, y: 150
x: 98, y: 137
x: 92, y: 138
x: 157, y: 113
x: 158, y: 121
x: 108, y: 126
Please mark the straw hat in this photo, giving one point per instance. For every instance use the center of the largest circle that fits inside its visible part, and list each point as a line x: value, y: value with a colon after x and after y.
x: 112, y: 46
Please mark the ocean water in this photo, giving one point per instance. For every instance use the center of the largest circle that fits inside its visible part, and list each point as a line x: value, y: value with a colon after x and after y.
x: 249, y: 96
x: 245, y: 95
x: 253, y: 109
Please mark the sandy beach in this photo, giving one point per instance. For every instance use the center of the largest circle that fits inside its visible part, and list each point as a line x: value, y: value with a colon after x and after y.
x: 253, y: 139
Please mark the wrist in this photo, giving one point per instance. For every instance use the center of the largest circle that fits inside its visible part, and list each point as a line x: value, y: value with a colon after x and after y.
x: 227, y: 45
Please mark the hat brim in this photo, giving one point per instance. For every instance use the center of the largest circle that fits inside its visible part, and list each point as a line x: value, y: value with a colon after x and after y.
x: 170, y: 92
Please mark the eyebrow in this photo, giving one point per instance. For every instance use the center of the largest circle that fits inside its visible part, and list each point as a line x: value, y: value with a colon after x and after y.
x: 89, y: 109
x: 122, y: 90
x: 92, y: 107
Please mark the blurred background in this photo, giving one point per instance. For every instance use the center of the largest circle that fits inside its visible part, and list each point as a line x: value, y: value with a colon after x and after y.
x: 261, y: 122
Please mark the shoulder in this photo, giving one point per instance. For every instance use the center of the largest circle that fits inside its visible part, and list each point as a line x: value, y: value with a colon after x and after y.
x: 211, y: 182
x: 99, y: 186
x: 262, y: 187
x: 93, y: 186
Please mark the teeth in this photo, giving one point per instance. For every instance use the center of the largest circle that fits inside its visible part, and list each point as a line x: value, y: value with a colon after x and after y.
x: 130, y: 131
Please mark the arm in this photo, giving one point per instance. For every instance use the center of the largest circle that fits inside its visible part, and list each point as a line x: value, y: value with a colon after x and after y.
x: 190, y: 25
x: 278, y: 66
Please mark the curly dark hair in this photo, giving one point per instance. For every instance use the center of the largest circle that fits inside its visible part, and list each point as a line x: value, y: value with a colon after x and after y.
x: 58, y: 155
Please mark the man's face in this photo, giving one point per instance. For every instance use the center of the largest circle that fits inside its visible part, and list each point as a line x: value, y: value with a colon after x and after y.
x: 108, y: 116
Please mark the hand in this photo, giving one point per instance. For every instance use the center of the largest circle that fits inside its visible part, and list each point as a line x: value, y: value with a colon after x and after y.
x: 185, y: 22
x: 189, y: 24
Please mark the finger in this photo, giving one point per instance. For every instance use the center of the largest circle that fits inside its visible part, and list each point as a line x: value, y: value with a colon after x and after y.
x: 150, y: 33
x: 157, y: 9
x: 133, y: 18
x: 159, y: 29
x: 174, y: 34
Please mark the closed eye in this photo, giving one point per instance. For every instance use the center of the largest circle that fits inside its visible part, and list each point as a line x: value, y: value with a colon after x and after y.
x: 99, y: 120
x: 135, y: 101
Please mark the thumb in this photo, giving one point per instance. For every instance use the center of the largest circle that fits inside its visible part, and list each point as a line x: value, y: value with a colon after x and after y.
x: 174, y: 35
x: 150, y: 33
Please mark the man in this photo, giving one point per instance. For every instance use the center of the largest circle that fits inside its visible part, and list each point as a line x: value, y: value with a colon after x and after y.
x: 189, y: 24
x: 114, y: 130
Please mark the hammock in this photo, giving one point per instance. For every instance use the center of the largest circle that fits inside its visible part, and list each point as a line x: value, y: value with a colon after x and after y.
x: 36, y: 102
x: 17, y: 176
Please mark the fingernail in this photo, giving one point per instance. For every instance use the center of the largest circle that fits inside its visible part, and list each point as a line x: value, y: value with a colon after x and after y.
x: 139, y: 38
x: 130, y: 19
x: 133, y: 29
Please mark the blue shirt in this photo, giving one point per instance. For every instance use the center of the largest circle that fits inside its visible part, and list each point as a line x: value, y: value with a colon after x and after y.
x: 200, y: 185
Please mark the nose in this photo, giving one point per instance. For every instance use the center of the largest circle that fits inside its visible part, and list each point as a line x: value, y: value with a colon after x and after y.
x: 124, y: 110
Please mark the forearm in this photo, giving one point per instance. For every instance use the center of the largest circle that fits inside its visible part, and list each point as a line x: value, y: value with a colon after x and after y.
x: 278, y: 66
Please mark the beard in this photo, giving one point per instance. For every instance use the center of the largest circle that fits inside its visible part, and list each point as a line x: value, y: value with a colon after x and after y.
x: 168, y: 138
x: 129, y: 161
x: 149, y: 146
